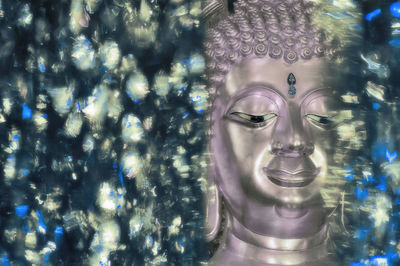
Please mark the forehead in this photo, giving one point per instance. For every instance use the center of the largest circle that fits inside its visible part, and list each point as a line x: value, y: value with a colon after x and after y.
x: 273, y: 74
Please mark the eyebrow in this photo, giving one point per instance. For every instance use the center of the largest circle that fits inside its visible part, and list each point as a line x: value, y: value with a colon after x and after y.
x: 263, y: 88
x: 257, y: 86
x: 308, y: 93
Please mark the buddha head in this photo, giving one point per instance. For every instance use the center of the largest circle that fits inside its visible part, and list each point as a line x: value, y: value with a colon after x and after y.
x: 273, y: 126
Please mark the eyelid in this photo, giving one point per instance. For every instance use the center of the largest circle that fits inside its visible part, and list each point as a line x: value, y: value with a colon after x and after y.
x: 315, y: 119
x: 270, y: 98
x: 316, y: 116
x: 252, y: 120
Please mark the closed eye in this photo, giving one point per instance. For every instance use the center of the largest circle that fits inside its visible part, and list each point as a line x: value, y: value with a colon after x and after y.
x: 254, y: 120
x: 321, y: 121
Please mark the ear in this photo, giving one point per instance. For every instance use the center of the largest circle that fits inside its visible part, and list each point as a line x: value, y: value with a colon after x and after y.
x: 213, y: 209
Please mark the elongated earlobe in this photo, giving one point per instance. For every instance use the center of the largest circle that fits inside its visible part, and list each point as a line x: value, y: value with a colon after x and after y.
x: 213, y: 210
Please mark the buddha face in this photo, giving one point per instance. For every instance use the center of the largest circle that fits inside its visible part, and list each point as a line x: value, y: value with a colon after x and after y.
x: 272, y: 149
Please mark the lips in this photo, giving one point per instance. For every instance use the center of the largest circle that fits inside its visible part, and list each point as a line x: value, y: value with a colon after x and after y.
x: 291, y: 172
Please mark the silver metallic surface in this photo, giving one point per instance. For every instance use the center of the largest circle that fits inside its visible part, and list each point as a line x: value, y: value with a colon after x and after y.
x: 283, y: 29
x: 271, y: 153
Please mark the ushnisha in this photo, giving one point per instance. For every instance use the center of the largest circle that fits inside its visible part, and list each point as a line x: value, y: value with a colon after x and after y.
x: 275, y: 29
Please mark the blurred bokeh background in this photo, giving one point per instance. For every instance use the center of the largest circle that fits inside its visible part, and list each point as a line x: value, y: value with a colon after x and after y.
x: 103, y: 117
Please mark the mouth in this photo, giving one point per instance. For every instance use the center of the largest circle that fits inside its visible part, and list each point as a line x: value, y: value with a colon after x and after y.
x: 285, y: 178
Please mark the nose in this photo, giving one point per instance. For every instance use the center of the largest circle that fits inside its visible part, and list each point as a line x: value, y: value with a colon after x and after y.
x: 290, y: 138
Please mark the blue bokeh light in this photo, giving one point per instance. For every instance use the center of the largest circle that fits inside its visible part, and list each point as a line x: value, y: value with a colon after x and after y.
x: 390, y: 156
x: 42, y: 225
x: 4, y: 260
x: 378, y: 260
x: 395, y: 9
x: 349, y: 173
x: 26, y: 112
x: 373, y: 14
x: 378, y: 151
x: 395, y: 43
x: 21, y: 210
x: 42, y: 67
x: 58, y: 232
x: 361, y: 193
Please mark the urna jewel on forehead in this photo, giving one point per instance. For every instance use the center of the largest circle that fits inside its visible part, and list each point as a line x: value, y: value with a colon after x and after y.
x: 278, y: 29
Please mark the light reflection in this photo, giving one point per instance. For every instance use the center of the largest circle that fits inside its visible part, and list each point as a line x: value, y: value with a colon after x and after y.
x: 132, y: 130
x: 83, y: 54
x: 137, y: 86
x: 110, y: 54
x: 25, y: 16
x: 61, y: 99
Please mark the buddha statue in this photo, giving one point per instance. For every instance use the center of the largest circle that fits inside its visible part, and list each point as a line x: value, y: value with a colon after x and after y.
x: 273, y: 136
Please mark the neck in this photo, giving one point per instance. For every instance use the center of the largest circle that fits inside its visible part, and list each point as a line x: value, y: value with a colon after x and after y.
x: 275, y: 243
x: 267, y: 250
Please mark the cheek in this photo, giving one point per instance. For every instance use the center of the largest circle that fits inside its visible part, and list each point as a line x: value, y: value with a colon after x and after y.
x: 249, y: 146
